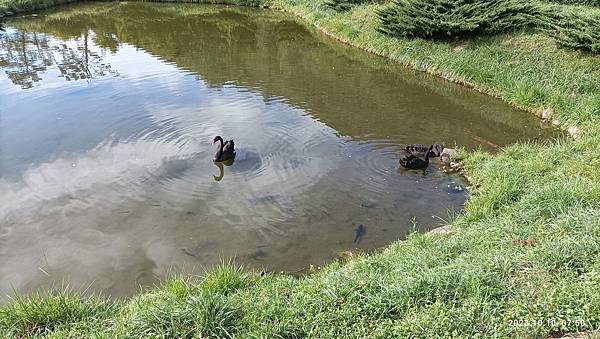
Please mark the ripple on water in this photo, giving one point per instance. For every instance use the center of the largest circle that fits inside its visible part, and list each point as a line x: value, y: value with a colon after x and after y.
x: 376, y: 162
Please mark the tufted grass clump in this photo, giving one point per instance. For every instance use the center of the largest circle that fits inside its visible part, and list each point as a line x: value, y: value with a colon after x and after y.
x: 225, y: 279
x: 455, y: 18
x: 165, y: 314
x: 43, y: 313
x: 185, y: 307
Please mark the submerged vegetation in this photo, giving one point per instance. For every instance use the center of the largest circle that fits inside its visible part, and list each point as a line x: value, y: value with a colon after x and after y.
x: 523, y: 260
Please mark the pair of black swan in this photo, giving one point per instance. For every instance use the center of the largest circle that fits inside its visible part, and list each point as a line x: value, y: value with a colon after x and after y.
x: 412, y: 157
x: 417, y: 156
x: 420, y: 150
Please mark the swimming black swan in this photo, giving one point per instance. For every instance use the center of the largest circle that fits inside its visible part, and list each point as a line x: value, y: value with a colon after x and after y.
x: 226, y: 150
x: 412, y: 161
x: 419, y: 150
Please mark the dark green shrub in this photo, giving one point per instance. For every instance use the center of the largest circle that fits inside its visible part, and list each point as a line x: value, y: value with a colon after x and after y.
x: 455, y: 18
x: 345, y: 5
x: 576, y: 30
x: 577, y: 2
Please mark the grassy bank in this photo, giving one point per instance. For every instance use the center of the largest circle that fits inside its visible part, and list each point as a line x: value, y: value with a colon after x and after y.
x: 523, y: 262
x: 11, y: 7
x: 16, y: 7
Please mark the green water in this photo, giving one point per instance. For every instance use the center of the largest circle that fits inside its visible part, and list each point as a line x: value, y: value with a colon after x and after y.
x: 108, y: 110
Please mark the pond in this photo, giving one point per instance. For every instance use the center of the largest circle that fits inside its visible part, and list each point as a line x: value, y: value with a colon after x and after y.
x: 107, y: 115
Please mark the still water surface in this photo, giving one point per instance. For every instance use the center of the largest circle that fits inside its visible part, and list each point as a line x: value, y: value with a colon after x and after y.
x: 107, y: 112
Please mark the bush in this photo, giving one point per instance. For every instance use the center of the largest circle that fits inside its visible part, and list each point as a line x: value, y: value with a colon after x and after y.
x: 345, y: 5
x: 576, y: 30
x: 455, y: 18
x: 577, y: 2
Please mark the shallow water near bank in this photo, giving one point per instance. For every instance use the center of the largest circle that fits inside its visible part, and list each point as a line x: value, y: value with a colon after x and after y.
x: 108, y: 110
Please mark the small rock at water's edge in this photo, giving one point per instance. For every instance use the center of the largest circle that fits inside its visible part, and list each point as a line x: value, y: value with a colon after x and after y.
x: 547, y: 113
x: 446, y: 154
x: 443, y: 230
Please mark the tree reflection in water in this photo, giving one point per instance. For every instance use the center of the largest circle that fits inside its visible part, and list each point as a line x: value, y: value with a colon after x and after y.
x: 26, y: 55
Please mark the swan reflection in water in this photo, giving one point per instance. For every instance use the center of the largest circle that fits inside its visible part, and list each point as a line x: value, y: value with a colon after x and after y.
x: 247, y: 161
x: 220, y: 165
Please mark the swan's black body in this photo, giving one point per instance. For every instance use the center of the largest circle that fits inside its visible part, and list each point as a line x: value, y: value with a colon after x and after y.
x: 226, y: 150
x: 419, y: 150
x: 414, y: 161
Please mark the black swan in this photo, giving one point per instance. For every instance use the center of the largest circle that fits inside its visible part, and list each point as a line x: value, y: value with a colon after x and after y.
x: 419, y: 150
x: 412, y: 161
x: 226, y: 150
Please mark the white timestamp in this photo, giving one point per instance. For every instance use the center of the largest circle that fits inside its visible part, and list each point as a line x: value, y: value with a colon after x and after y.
x: 547, y: 322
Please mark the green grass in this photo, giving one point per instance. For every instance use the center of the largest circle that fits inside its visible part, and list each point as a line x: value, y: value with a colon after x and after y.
x: 41, y: 314
x: 524, y: 260
x: 11, y: 7
x: 8, y: 7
